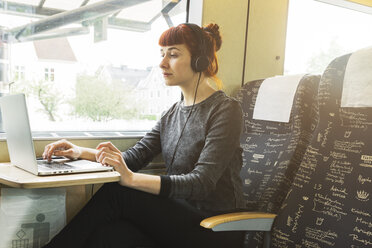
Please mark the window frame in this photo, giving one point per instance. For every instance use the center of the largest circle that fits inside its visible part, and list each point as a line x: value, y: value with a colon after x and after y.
x: 194, y: 12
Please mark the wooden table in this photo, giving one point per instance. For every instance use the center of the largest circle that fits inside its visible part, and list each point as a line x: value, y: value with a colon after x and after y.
x: 79, y: 187
x: 17, y: 178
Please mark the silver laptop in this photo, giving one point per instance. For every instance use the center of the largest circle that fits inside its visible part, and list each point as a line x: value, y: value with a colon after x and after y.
x: 21, y: 148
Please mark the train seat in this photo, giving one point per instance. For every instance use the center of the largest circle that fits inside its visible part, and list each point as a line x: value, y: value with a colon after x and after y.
x: 329, y: 203
x: 273, y: 149
x: 273, y: 146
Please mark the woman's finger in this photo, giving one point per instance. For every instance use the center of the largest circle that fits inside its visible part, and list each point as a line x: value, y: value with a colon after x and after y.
x: 51, y: 150
x: 66, y: 153
x: 103, y: 144
x: 108, y: 145
x: 111, y: 162
x: 100, y: 151
x: 105, y: 155
x: 58, y: 145
x: 107, y: 150
x: 46, y: 149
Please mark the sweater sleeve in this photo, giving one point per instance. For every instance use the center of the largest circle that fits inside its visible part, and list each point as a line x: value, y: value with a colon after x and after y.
x: 221, y: 143
x: 144, y: 150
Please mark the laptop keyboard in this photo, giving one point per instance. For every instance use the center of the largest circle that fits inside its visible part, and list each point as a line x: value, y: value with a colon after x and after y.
x: 54, y: 165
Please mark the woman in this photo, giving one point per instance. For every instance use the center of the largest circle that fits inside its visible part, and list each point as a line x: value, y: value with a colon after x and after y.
x: 199, y: 140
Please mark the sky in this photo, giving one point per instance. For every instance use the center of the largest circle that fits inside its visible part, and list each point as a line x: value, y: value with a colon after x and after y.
x: 312, y: 25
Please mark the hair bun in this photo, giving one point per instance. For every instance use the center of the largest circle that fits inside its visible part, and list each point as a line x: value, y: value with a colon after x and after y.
x: 214, y: 30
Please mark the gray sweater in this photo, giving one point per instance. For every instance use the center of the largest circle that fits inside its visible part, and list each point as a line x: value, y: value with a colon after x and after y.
x: 208, y: 160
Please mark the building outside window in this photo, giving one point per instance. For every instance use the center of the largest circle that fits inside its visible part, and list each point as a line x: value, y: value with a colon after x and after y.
x: 93, y: 73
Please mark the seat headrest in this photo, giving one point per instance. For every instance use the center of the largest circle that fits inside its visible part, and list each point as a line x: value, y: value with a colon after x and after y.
x: 275, y: 98
x: 357, y: 85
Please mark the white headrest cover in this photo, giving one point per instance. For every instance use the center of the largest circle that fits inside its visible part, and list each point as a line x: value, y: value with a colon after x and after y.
x: 275, y: 98
x: 357, y: 87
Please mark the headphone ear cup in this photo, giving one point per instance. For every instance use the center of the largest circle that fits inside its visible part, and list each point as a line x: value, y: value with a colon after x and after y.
x: 200, y: 63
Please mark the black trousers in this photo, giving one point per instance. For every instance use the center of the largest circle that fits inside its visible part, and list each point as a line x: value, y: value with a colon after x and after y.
x: 118, y: 216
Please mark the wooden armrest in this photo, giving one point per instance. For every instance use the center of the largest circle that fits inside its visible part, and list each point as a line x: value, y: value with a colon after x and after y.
x: 245, y: 221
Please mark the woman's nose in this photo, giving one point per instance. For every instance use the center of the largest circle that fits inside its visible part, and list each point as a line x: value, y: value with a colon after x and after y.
x: 163, y: 62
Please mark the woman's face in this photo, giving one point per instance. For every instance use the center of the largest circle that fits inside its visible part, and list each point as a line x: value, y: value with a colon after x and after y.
x: 176, y: 65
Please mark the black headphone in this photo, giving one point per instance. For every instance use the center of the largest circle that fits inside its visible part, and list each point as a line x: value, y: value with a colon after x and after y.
x: 200, y: 61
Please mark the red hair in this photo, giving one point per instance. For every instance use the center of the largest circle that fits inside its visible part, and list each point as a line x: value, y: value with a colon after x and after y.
x: 183, y: 34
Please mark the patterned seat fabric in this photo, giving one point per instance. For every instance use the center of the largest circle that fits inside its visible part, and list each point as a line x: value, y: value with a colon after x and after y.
x: 329, y: 203
x: 272, y: 151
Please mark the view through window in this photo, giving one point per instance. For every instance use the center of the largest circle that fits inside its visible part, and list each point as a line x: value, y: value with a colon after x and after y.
x: 318, y: 32
x: 93, y: 70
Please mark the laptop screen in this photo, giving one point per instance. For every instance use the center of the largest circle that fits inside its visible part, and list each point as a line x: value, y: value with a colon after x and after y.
x: 18, y: 133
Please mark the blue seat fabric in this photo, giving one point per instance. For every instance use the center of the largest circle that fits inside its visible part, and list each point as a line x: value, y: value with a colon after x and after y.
x: 329, y: 203
x: 272, y: 151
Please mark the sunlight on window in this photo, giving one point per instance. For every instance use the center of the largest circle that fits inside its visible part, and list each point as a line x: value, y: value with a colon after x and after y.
x: 90, y: 74
x: 318, y: 32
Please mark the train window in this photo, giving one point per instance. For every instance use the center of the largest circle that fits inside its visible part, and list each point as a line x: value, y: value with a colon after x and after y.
x: 318, y: 32
x: 87, y: 65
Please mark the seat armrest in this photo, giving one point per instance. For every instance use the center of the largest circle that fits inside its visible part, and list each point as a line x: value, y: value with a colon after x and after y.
x: 240, y: 221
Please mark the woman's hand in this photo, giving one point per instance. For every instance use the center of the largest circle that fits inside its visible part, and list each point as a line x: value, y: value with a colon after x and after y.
x: 109, y: 155
x: 62, y: 148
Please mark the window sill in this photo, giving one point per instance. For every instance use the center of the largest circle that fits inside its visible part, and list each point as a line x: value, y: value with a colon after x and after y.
x: 83, y: 135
